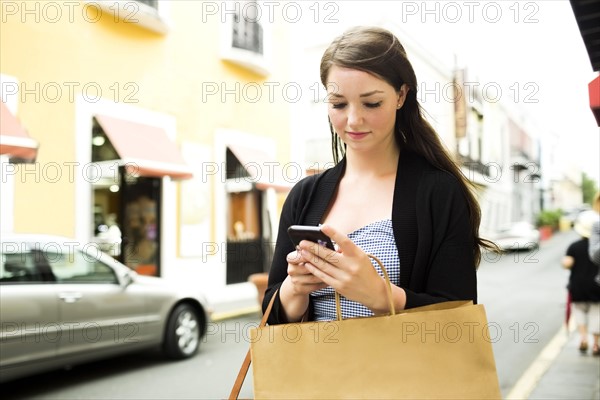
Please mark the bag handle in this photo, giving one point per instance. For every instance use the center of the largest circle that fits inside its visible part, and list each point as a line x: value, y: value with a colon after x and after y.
x: 338, y: 306
x: 239, y: 381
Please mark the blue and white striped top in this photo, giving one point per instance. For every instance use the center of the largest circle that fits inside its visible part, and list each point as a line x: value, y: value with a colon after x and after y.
x: 377, y: 239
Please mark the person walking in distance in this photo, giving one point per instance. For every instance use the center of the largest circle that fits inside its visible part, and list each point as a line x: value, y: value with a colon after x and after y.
x: 584, y: 291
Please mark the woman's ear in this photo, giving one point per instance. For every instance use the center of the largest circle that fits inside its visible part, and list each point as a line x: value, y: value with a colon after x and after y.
x: 402, y: 95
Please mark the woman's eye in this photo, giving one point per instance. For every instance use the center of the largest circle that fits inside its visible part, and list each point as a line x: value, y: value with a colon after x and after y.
x: 338, y: 105
x: 373, y: 105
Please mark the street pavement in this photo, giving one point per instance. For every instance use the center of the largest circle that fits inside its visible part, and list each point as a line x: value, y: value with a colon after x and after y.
x: 570, y: 374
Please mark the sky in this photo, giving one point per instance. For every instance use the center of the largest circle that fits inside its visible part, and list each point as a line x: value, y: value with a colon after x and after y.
x: 532, y: 50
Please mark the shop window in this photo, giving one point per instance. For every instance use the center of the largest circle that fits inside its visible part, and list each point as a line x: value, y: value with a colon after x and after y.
x: 244, y: 216
x: 140, y: 210
x: 106, y: 197
x: 102, y: 148
x: 125, y: 208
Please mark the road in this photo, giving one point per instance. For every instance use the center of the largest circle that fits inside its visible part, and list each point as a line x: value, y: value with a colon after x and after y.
x: 524, y: 295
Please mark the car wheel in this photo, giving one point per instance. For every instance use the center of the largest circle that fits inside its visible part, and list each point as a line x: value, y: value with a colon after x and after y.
x: 182, y: 337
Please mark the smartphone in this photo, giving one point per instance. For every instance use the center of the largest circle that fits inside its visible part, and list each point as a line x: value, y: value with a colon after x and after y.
x: 313, y: 233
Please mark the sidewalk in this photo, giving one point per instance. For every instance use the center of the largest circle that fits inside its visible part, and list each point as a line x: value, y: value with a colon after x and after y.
x: 235, y: 301
x: 571, y: 375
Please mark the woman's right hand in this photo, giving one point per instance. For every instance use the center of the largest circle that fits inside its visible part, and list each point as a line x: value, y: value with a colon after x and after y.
x: 296, y: 287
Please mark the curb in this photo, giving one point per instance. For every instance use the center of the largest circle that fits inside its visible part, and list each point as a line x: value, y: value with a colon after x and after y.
x: 225, y: 315
x: 534, y: 373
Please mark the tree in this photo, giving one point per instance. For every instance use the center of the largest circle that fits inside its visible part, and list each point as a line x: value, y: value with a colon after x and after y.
x: 588, y: 188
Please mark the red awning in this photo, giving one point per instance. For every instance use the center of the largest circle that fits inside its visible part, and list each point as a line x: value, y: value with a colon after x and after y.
x: 594, y: 89
x: 14, y: 139
x: 145, y: 150
x: 264, y: 172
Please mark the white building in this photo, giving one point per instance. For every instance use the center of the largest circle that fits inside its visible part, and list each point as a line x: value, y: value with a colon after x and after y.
x: 495, y: 146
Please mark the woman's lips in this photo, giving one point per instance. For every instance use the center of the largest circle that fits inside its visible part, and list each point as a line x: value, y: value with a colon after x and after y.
x: 357, y: 135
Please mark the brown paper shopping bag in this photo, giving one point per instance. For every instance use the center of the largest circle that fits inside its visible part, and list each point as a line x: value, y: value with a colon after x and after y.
x: 441, y: 351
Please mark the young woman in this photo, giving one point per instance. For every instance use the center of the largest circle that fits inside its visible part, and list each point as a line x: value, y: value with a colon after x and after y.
x: 394, y: 193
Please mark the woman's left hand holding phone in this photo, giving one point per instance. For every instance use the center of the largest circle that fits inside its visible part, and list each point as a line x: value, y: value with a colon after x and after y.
x: 297, y: 286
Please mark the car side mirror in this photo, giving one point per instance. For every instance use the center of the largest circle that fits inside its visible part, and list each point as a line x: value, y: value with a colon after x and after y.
x: 126, y: 280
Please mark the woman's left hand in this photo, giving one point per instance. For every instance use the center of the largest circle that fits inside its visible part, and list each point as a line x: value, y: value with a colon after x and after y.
x: 348, y: 270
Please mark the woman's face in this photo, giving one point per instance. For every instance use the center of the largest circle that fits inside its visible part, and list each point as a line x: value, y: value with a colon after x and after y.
x: 362, y: 108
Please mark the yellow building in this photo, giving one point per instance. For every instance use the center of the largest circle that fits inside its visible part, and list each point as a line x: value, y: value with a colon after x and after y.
x: 168, y: 119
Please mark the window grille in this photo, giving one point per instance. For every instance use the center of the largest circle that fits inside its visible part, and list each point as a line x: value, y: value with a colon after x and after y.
x: 247, y: 35
x: 151, y: 3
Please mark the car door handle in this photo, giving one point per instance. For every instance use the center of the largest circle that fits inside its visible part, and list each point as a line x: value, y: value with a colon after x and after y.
x: 70, y: 297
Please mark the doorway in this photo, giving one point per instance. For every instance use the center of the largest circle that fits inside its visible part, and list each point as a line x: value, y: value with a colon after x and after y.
x: 248, y: 232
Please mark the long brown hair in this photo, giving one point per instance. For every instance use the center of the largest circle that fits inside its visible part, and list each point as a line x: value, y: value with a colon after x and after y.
x: 379, y: 53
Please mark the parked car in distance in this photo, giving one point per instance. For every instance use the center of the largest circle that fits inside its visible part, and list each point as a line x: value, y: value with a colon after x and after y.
x: 517, y: 236
x: 63, y: 304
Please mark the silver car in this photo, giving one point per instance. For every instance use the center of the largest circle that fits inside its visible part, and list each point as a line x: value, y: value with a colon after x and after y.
x: 518, y: 236
x: 63, y: 304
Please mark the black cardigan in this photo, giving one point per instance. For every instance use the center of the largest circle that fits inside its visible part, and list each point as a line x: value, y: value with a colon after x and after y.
x: 430, y: 219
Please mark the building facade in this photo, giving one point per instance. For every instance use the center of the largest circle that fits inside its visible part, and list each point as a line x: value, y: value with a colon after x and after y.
x: 161, y: 133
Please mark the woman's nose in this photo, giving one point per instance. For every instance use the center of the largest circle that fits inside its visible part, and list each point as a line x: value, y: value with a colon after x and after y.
x: 354, y: 116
